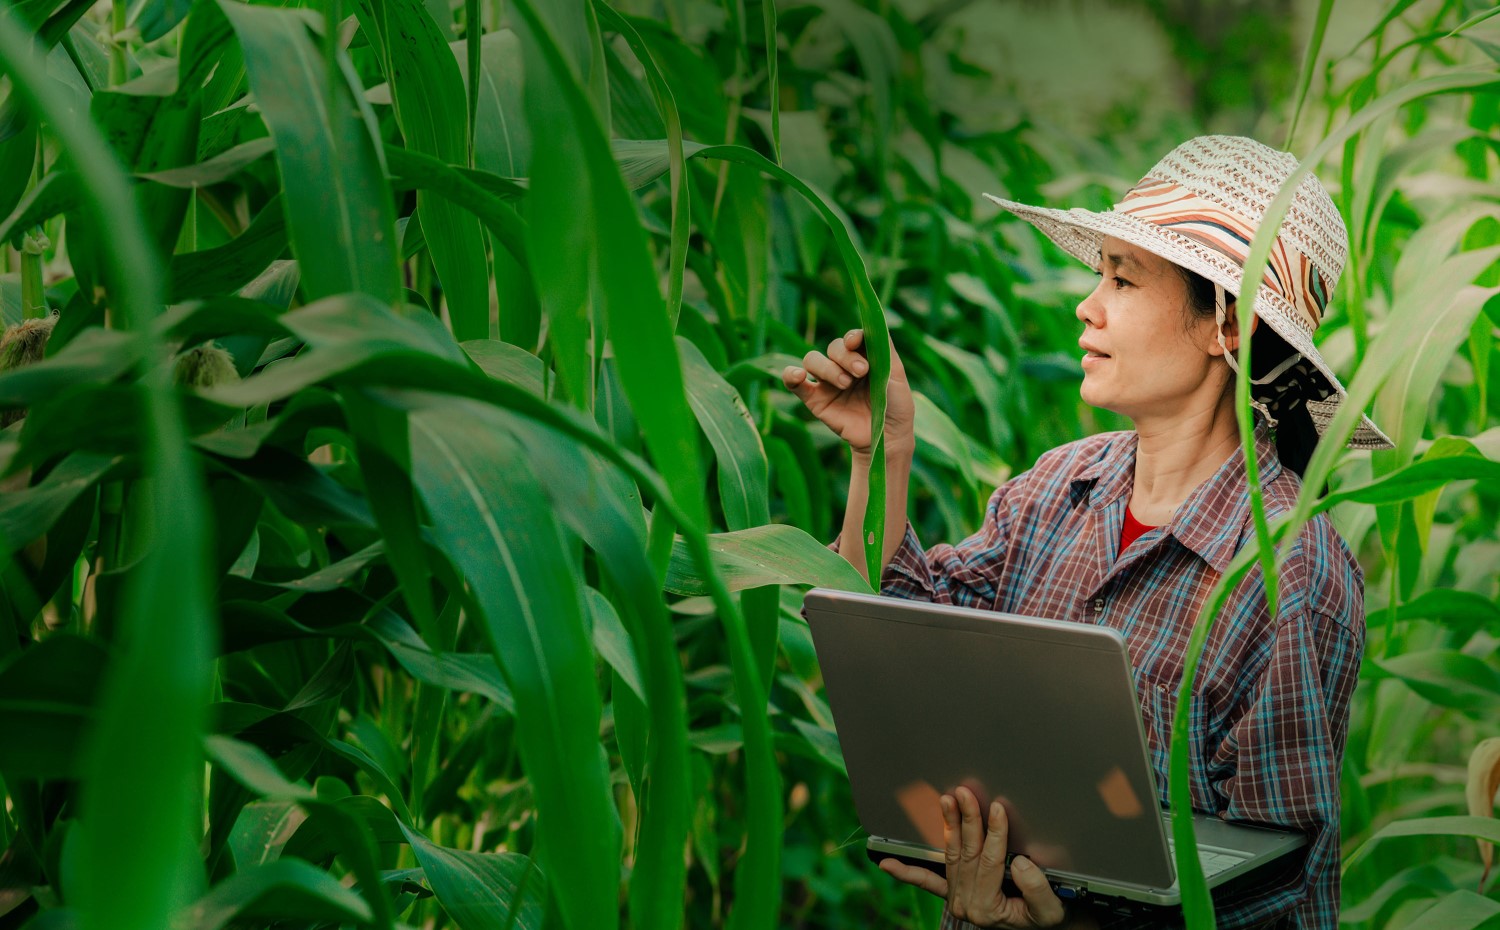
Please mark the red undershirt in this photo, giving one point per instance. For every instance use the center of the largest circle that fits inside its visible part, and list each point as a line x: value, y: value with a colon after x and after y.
x: 1132, y: 530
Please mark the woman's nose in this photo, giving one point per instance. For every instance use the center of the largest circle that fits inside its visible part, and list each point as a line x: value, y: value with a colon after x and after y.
x: 1089, y: 310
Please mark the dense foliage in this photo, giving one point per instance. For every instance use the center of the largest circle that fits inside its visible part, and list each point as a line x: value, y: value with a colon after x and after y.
x: 400, y: 516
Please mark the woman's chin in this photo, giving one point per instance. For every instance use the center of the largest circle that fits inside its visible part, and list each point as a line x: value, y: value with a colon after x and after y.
x: 1100, y: 399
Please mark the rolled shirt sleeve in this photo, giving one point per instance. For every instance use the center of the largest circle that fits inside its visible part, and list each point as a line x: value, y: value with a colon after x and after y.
x: 964, y: 574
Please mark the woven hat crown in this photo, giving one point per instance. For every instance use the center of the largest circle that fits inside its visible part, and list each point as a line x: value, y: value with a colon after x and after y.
x: 1242, y: 176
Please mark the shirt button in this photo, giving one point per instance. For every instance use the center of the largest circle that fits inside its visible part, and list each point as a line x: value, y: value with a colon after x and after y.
x: 1098, y: 604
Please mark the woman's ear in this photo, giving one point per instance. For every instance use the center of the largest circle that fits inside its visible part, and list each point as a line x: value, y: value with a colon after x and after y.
x: 1231, y: 330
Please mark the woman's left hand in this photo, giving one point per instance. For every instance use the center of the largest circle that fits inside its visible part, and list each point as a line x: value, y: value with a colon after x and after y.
x: 976, y: 868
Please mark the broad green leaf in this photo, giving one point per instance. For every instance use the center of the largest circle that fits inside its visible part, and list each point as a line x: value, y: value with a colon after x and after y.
x: 57, y: 192
x: 502, y: 138
x: 155, y: 18
x: 152, y: 133
x: 27, y: 514
x: 677, y: 165
x: 17, y: 157
x: 382, y: 442
x: 1462, y: 610
x: 421, y: 172
x: 1484, y: 828
x: 1448, y: 308
x: 765, y: 555
x: 433, y: 115
x: 47, y: 698
x: 642, y: 161
x: 1447, y: 677
x: 726, y: 422
x: 1414, y: 480
x: 505, y: 362
x: 159, y: 768
x: 224, y: 269
x: 216, y: 170
x: 483, y: 891
x: 1460, y: 910
x: 499, y: 531
x: 600, y: 505
x: 262, y: 829
x: 351, y: 836
x: 613, y: 642
x: 339, y: 215
x: 283, y: 889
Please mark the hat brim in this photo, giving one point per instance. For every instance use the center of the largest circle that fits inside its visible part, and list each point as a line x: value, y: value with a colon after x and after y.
x: 1081, y: 234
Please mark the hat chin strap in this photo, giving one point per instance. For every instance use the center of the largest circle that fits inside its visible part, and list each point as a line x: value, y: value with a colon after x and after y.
x: 1219, y: 316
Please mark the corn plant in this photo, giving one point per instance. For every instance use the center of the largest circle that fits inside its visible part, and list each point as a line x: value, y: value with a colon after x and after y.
x: 400, y: 519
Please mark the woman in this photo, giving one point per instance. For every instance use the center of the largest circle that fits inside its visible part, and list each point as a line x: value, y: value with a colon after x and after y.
x: 1133, y: 529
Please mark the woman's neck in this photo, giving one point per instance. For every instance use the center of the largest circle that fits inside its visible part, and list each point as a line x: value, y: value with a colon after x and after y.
x: 1177, y: 454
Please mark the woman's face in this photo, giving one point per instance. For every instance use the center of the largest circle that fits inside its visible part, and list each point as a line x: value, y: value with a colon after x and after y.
x: 1145, y: 354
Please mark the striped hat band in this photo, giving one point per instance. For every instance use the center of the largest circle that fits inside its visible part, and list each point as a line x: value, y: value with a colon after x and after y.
x: 1290, y: 274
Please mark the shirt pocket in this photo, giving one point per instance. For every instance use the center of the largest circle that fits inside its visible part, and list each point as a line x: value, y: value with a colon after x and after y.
x: 1158, y: 709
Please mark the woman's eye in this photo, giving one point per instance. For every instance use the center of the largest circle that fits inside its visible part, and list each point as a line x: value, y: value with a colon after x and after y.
x: 1120, y: 283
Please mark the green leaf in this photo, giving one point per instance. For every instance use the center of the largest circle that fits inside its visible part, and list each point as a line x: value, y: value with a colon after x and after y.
x: 279, y: 890
x: 1458, y: 910
x: 158, y: 768
x: 155, y: 18
x: 57, y: 192
x: 677, y: 163
x: 433, y: 115
x: 262, y: 829
x: 1482, y: 828
x: 613, y: 642
x: 501, y: 534
x: 30, y: 512
x: 502, y: 138
x: 1447, y: 677
x: 17, y: 158
x: 339, y: 215
x: 350, y: 835
x: 511, y: 364
x: 763, y: 555
x: 599, y: 504
x: 725, y: 420
x: 224, y: 269
x: 483, y: 891
x: 1414, y: 480
x: 1461, y: 610
x: 413, y: 170
x: 216, y: 170
x: 47, y: 698
x: 457, y: 671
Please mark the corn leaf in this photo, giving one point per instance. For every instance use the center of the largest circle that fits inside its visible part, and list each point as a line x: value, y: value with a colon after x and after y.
x: 339, y: 216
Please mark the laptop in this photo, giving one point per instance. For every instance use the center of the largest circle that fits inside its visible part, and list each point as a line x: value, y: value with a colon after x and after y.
x: 1041, y: 714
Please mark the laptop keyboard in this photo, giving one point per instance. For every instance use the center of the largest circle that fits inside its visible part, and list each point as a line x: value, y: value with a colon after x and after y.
x: 1213, y: 862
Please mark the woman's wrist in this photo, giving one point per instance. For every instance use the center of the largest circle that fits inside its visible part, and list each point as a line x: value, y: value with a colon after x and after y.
x: 899, y: 449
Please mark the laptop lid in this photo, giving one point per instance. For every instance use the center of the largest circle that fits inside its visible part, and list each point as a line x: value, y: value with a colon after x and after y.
x: 1040, y: 714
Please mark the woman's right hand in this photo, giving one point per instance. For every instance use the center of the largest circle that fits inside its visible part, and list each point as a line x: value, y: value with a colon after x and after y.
x: 840, y: 395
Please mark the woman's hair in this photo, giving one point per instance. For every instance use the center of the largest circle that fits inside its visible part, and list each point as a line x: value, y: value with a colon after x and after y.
x: 1294, y: 433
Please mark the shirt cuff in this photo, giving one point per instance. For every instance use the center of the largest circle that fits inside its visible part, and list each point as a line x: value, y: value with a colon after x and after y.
x: 906, y: 574
x: 953, y: 923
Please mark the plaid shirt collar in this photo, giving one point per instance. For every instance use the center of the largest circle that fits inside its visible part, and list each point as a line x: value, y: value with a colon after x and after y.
x: 1210, y: 522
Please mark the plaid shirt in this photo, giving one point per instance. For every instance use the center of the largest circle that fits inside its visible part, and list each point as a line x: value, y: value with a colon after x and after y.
x: 1271, y: 702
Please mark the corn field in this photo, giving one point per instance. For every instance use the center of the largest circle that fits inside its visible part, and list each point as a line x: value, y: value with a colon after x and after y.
x: 402, y: 522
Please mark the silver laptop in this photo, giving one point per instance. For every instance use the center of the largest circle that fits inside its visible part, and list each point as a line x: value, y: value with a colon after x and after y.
x: 1041, y: 714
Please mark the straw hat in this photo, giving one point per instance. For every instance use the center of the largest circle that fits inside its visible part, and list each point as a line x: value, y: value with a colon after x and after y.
x: 1199, y: 208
